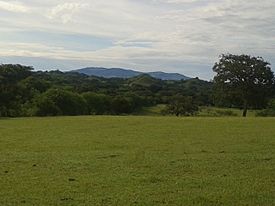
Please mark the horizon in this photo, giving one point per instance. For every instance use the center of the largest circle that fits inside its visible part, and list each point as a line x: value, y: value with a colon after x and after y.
x: 172, y: 36
x: 107, y: 68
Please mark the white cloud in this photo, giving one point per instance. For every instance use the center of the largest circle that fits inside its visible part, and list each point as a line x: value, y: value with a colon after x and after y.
x: 147, y: 33
x: 66, y: 11
x: 13, y: 6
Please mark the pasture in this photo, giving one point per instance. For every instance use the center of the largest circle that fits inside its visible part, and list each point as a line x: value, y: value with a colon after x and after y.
x: 100, y: 160
x: 203, y: 111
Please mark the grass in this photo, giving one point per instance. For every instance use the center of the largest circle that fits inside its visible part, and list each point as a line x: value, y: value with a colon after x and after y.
x: 203, y: 111
x: 152, y: 111
x: 137, y: 161
x: 224, y: 112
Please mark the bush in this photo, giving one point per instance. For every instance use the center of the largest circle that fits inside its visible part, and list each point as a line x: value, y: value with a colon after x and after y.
x: 97, y: 103
x: 266, y: 113
x: 57, y: 102
x: 269, y: 111
x: 122, y: 105
x: 222, y: 113
x: 181, y: 106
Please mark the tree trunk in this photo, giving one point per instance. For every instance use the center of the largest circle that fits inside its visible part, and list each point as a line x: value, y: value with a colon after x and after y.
x: 245, y: 109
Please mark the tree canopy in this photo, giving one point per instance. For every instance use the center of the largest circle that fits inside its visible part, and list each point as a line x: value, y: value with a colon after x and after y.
x: 243, y: 80
x: 24, y: 92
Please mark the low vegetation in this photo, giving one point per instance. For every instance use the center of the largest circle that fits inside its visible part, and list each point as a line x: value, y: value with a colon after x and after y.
x: 203, y: 111
x: 181, y: 106
x: 211, y: 159
x: 109, y: 160
x: 242, y: 82
x: 27, y: 93
x: 269, y: 111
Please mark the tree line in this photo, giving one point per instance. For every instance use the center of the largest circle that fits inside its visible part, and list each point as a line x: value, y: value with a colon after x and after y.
x: 240, y: 82
x: 24, y: 92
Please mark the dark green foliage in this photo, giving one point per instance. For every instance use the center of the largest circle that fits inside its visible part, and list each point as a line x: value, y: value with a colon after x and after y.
x: 12, y: 93
x: 10, y: 74
x: 60, y: 102
x: 146, y: 82
x: 97, y: 103
x: 219, y: 112
x: 122, y: 105
x: 27, y: 93
x: 34, y: 83
x: 269, y: 111
x: 243, y: 81
x: 200, y: 90
x: 182, y: 106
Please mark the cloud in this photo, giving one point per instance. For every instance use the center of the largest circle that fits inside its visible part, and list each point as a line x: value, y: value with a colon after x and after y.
x: 176, y: 1
x: 13, y: 6
x: 66, y: 11
x: 170, y: 35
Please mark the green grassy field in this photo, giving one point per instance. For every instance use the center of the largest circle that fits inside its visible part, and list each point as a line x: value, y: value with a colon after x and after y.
x: 224, y: 112
x: 137, y: 161
x: 203, y: 111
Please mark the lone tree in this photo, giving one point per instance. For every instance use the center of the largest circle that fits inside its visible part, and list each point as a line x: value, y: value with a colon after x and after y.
x: 243, y: 78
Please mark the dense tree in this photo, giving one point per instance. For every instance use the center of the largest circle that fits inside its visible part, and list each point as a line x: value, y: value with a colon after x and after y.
x: 11, y: 92
x: 24, y: 92
x: 182, y: 106
x: 121, y: 105
x: 243, y: 79
x: 60, y: 102
x: 97, y: 103
x: 11, y: 74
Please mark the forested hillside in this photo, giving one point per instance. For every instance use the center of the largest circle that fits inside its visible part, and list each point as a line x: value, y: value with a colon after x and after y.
x: 127, y: 73
x: 24, y: 92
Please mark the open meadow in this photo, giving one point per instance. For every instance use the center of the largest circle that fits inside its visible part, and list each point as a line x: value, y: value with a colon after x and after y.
x: 112, y: 160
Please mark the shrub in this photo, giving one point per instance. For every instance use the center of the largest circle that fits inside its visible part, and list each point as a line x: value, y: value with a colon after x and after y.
x: 221, y: 113
x: 56, y: 102
x: 122, y: 105
x: 269, y: 111
x: 181, y: 106
x: 97, y: 103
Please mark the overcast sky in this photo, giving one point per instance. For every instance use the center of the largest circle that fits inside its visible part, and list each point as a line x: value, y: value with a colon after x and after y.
x: 184, y: 36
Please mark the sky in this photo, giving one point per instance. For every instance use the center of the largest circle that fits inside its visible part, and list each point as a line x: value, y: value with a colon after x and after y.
x: 183, y: 36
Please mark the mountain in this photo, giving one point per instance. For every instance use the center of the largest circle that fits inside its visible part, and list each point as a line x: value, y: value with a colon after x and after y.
x: 127, y: 73
x: 167, y: 76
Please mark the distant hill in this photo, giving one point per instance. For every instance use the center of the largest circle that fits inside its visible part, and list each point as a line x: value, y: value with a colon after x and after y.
x: 168, y: 76
x: 127, y: 73
x: 144, y: 80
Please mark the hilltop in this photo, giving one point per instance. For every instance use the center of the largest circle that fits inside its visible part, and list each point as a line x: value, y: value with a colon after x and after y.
x: 128, y: 73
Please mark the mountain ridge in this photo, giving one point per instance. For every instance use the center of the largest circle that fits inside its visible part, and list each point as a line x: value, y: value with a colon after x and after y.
x: 127, y: 73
